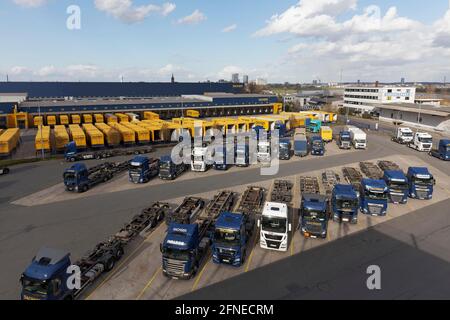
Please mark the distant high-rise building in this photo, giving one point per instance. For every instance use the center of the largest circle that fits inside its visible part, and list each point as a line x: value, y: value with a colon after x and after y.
x: 402, y: 80
x: 315, y: 82
x: 235, y: 78
x: 172, y: 79
x: 261, y: 82
x: 245, y: 79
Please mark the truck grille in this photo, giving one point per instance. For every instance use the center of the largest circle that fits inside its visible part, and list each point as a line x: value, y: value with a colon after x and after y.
x: 174, y: 266
x: 197, y: 167
x: 226, y: 256
x: 427, y: 146
x: 422, y: 194
x: 273, y: 237
x: 273, y: 244
x: 375, y: 209
x: 396, y: 198
x: 314, y: 228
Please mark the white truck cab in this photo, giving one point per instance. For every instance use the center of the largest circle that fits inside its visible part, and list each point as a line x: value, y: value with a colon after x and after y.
x: 274, y: 226
x: 359, y: 137
x: 198, y: 161
x: 264, y: 154
x: 422, y: 142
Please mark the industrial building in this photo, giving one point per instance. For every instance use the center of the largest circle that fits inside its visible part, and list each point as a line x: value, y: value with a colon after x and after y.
x: 21, y: 101
x: 361, y: 99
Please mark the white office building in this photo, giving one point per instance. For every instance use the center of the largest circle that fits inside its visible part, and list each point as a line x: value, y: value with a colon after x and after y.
x: 362, y: 99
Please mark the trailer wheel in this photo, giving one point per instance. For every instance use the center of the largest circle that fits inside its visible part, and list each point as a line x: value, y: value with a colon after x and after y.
x: 72, y: 159
x: 109, y: 265
x: 5, y: 171
x: 119, y: 254
x: 98, y: 156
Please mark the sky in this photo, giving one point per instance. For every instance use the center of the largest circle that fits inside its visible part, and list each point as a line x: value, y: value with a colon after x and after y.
x: 196, y: 40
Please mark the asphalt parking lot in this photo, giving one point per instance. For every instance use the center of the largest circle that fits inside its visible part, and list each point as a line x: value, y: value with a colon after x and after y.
x: 78, y: 224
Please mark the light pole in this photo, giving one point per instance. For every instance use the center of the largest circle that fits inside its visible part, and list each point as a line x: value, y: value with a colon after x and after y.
x: 40, y: 127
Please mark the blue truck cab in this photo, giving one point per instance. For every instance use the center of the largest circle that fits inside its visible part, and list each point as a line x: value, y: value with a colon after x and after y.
x: 397, y: 183
x: 182, y: 250
x: 314, y: 126
x: 314, y: 216
x: 282, y: 130
x: 168, y: 170
x: 345, y: 140
x: 420, y: 183
x: 443, y: 150
x: 70, y: 152
x: 76, y: 178
x: 230, y: 238
x: 374, y: 197
x: 46, y: 276
x: 317, y: 146
x: 142, y: 169
x: 284, y: 152
x: 345, y: 203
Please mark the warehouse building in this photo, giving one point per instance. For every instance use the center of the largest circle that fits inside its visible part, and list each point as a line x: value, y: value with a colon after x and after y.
x: 416, y: 115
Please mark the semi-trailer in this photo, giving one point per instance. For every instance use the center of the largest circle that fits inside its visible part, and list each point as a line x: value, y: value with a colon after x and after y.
x: 329, y: 180
x: 61, y: 137
x: 47, y: 276
x: 42, y: 139
x: 353, y: 177
x: 142, y: 169
x: 168, y: 170
x: 344, y: 204
x: 421, y: 183
x: 371, y: 170
x: 233, y: 231
x: 300, y: 143
x: 186, y: 246
x: 443, y: 150
x: 282, y: 191
x: 80, y: 178
x: 78, y: 136
x: 95, y: 137
x: 112, y: 136
x: 374, y: 197
x: 87, y: 118
x: 186, y: 212
x: 359, y: 137
x: 64, y: 120
x: 72, y: 154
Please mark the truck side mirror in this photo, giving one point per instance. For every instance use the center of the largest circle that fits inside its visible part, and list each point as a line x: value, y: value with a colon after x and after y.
x: 290, y: 227
x: 434, y: 182
x: 161, y: 247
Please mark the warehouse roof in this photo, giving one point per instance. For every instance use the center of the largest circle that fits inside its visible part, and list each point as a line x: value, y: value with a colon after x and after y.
x: 416, y: 108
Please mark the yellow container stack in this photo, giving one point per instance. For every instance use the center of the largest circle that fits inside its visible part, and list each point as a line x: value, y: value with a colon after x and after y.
x: 99, y: 118
x: 64, y: 119
x: 95, y: 137
x: 76, y: 119
x: 51, y: 120
x: 9, y: 140
x: 87, y: 118
x: 42, y: 141
x: 110, y: 118
x: 113, y: 137
x: 121, y: 117
x: 61, y: 137
x: 142, y: 134
x: 128, y: 135
x: 149, y: 115
x: 77, y: 135
x: 38, y: 120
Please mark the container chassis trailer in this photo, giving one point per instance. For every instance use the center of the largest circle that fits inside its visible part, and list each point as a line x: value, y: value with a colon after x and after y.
x: 371, y: 170
x: 73, y: 155
x: 353, y: 177
x: 186, y: 212
x: 252, y: 201
x: 309, y: 185
x: 388, y: 165
x: 329, y: 180
x: 282, y: 191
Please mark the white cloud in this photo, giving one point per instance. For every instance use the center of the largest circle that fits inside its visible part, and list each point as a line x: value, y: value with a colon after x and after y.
x: 229, y: 28
x: 30, y: 3
x: 18, y: 70
x: 125, y: 11
x: 196, y: 17
x: 45, y: 71
x: 227, y: 71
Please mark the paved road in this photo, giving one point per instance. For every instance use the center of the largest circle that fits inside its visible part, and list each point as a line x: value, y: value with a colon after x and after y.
x: 77, y: 225
x: 412, y: 252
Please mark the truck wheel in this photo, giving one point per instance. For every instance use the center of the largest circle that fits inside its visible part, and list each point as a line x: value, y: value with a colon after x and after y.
x: 98, y: 156
x: 5, y: 171
x: 109, y: 265
x: 72, y: 159
x: 119, y: 254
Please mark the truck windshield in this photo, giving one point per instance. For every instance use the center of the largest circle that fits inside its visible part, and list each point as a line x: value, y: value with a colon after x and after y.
x: 198, y: 158
x: 227, y: 236
x: 407, y: 134
x: 346, y: 204
x: 70, y: 176
x: 317, y: 144
x: 314, y: 214
x: 360, y: 141
x: 398, y: 185
x: 136, y: 168
x: 423, y: 182
x: 274, y: 224
x: 376, y: 195
x: 426, y: 140
x: 165, y: 165
x: 345, y: 138
x: 34, y: 286
x: 176, y: 254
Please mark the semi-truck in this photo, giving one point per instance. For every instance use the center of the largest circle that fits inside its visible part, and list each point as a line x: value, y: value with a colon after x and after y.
x: 374, y: 197
x: 168, y: 170
x: 199, y: 161
x: 344, y: 204
x: 274, y: 226
x: 314, y: 126
x: 396, y: 181
x: 359, y: 137
x: 344, y: 140
x: 80, y: 178
x: 46, y: 277
x: 317, y: 146
x: 443, y: 150
x: 223, y: 158
x: 284, y: 150
x: 300, y: 143
x: 186, y: 246
x: 420, y: 183
x: 264, y: 153
x: 422, y: 142
x: 403, y: 135
x: 242, y: 155
x: 71, y: 153
x: 142, y: 169
x: 314, y: 215
x: 232, y: 231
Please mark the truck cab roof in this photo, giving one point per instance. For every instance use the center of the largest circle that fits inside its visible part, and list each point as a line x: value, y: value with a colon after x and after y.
x: 345, y: 191
x: 139, y: 160
x: 396, y: 175
x: 374, y: 184
x: 46, y: 263
x: 77, y: 167
x: 344, y: 133
x: 316, y: 138
x: 166, y: 159
x: 229, y: 220
x: 275, y: 209
x: 419, y: 171
x: 314, y: 202
x: 405, y: 130
x: 423, y: 135
x: 180, y: 236
x: 444, y: 142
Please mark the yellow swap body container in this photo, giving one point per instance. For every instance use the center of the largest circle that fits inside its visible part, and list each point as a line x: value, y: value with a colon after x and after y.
x: 113, y: 137
x: 142, y: 134
x: 9, y: 140
x: 42, y: 141
x: 94, y: 136
x: 326, y: 133
x: 99, y: 118
x: 121, y: 117
x: 61, y: 137
x: 128, y: 135
x: 77, y: 135
x: 76, y: 119
x: 64, y: 119
x: 51, y: 120
x: 87, y: 118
